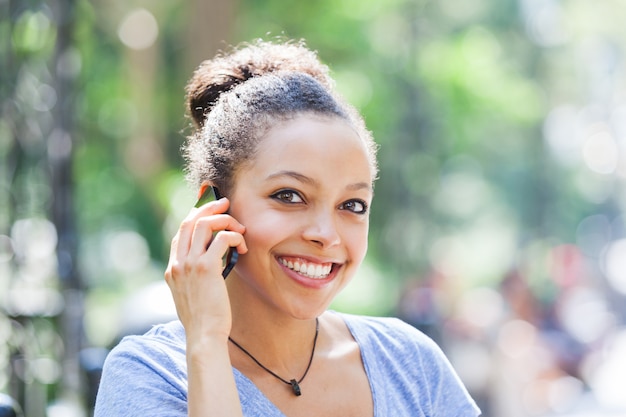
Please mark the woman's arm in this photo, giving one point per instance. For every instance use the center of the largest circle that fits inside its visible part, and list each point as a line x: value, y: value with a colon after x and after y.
x: 212, y: 389
x: 202, y: 303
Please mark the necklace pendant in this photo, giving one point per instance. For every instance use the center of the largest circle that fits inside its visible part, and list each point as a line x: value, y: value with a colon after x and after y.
x: 295, y: 387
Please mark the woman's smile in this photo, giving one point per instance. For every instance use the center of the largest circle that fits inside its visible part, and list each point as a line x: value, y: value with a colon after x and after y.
x: 310, y: 275
x: 307, y: 268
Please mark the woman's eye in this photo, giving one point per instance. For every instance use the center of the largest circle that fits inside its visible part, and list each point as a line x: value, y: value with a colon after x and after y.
x: 355, y: 206
x: 287, y: 196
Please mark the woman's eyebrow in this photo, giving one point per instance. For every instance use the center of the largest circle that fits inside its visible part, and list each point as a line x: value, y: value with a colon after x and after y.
x: 292, y: 174
x: 308, y: 180
x: 360, y: 186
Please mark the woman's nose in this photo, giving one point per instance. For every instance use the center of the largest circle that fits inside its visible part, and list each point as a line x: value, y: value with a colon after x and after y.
x: 322, y: 229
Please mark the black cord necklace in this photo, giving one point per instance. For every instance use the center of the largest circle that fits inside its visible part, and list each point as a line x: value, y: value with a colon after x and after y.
x: 295, y: 385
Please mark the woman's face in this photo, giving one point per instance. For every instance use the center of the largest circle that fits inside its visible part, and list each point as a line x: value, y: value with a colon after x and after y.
x: 304, y: 200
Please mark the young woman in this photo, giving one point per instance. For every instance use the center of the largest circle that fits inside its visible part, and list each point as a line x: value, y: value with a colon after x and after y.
x: 296, y: 166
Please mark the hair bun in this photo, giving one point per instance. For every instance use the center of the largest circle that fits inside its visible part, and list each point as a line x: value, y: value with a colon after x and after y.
x: 226, y: 70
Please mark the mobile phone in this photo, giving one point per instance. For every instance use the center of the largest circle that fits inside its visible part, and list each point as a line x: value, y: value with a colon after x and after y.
x: 211, y: 194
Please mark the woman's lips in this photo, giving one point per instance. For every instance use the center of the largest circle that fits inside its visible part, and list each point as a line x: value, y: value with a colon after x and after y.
x: 307, y: 268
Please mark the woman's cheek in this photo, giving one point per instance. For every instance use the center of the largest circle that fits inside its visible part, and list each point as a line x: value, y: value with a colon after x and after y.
x: 269, y: 229
x: 362, y: 248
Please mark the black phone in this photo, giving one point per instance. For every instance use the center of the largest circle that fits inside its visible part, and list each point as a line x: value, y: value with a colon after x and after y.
x: 211, y: 194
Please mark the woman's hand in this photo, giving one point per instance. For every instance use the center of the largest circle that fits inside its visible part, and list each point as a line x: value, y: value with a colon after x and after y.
x: 194, y: 271
x: 194, y: 275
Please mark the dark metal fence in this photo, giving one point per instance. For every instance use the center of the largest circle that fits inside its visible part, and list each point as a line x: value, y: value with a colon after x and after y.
x: 40, y: 288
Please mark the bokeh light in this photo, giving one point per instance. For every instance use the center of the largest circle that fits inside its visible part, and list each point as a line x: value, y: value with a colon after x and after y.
x: 615, y: 265
x: 138, y: 29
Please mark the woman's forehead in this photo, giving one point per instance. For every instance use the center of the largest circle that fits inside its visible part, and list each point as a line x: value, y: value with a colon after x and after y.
x: 313, y: 145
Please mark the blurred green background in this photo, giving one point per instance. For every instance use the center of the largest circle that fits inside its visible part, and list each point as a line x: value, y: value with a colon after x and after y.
x: 498, y: 223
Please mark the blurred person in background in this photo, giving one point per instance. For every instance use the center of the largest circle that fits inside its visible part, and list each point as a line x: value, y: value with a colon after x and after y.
x: 296, y: 166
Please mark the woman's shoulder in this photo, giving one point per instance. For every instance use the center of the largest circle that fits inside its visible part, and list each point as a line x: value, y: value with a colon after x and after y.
x: 172, y: 331
x: 170, y: 334
x: 393, y: 338
x: 145, y: 374
x: 163, y: 343
x: 407, y: 365
x: 158, y: 353
x: 383, y: 328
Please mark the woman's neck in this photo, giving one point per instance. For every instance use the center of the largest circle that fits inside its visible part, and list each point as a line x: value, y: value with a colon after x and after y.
x: 279, y: 341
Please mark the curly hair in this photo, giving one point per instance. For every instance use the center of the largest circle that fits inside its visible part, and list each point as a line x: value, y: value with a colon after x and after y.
x: 235, y: 98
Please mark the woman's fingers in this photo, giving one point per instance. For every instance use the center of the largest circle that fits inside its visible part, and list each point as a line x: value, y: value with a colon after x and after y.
x: 203, y: 239
x: 225, y: 240
x: 201, y: 261
x: 182, y: 241
x: 206, y: 227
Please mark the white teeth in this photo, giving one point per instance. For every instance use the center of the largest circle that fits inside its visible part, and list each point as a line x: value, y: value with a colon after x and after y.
x: 311, y: 270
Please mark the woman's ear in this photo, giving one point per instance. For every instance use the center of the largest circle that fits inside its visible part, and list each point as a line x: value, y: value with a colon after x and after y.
x: 203, y: 187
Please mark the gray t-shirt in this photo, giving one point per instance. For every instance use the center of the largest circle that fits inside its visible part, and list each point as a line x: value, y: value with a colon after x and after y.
x: 408, y: 375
